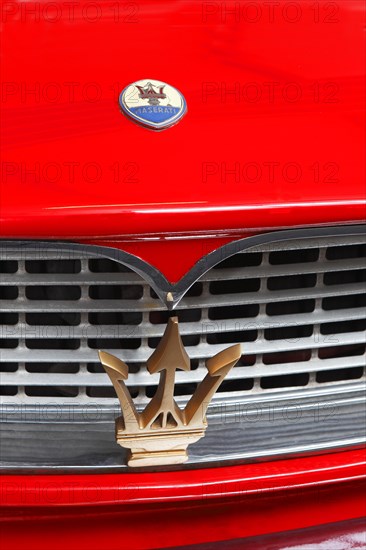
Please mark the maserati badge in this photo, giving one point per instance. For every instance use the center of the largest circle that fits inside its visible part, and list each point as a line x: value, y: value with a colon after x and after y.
x: 153, y: 104
x: 161, y: 433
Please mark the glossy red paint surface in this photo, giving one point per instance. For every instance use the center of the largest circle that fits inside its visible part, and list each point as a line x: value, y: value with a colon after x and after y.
x: 273, y: 136
x: 175, y: 508
x: 350, y: 535
x: 173, y: 257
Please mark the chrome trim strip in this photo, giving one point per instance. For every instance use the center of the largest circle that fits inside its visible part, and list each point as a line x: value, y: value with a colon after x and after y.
x: 241, y: 432
x: 159, y: 282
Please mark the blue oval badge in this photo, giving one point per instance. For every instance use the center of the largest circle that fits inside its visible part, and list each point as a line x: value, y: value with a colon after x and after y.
x: 153, y: 104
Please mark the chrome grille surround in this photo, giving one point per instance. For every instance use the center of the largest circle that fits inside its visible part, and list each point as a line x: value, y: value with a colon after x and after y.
x: 296, y: 301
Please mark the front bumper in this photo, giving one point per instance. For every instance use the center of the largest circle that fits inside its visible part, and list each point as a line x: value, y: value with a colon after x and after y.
x: 161, y: 510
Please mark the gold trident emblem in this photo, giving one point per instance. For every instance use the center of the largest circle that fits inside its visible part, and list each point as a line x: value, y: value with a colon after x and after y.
x: 161, y: 433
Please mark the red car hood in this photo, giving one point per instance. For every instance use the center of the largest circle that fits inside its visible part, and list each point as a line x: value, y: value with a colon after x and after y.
x: 273, y: 136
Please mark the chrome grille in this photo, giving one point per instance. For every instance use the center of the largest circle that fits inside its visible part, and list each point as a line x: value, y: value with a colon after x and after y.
x: 297, y: 307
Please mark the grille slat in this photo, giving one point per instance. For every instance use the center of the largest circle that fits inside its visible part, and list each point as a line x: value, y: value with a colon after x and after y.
x: 87, y: 278
x: 208, y: 326
x: 29, y: 279
x: 282, y: 270
x: 199, y: 351
x: 227, y: 300
x: 145, y: 379
x: 83, y: 305
x: 297, y: 307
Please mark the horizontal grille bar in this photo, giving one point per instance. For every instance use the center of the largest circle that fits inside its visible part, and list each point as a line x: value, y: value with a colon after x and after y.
x: 29, y: 279
x: 86, y: 305
x: 282, y: 270
x: 195, y: 352
x: 265, y: 297
x: 24, y: 378
x: 20, y: 330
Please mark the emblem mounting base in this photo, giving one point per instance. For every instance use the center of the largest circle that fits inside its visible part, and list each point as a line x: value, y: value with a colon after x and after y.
x: 157, y: 447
